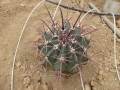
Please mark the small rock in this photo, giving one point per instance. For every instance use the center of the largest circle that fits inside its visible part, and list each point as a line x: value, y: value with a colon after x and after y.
x: 37, y: 86
x: 100, y: 67
x: 38, y: 73
x: 102, y: 50
x: 100, y: 59
x: 100, y: 72
x: 103, y: 24
x: 31, y: 87
x: 82, y: 3
x: 106, y: 69
x: 99, y: 77
x: 18, y: 64
x: 113, y: 71
x: 24, y: 75
x: 101, y: 82
x: 22, y: 5
x: 94, y: 88
x: 26, y: 81
x: 31, y: 66
x: 93, y: 78
x: 87, y: 87
x: 44, y: 78
x: 118, y: 40
x: 118, y: 23
x: 43, y: 87
x: 23, y: 67
x: 93, y: 26
x: 39, y: 78
x: 93, y: 83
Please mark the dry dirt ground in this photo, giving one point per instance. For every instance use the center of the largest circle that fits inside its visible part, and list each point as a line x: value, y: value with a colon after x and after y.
x: 13, y: 14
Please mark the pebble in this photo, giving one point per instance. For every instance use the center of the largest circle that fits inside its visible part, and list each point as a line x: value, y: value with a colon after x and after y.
x: 87, y: 87
x: 24, y: 75
x: 113, y: 71
x: 106, y: 69
x: 18, y: 64
x: 31, y: 66
x: 99, y: 77
x: 93, y: 83
x: 93, y: 78
x: 118, y: 40
x: 22, y: 5
x: 39, y: 78
x: 100, y: 72
x: 31, y: 87
x: 93, y: 26
x: 23, y: 67
x: 43, y: 87
x: 102, y: 50
x: 26, y: 81
x: 103, y: 24
x: 82, y: 3
x: 2, y: 65
x: 94, y: 88
x: 44, y: 78
x: 37, y: 86
x: 101, y: 82
x: 118, y: 23
x: 38, y: 73
x: 100, y: 67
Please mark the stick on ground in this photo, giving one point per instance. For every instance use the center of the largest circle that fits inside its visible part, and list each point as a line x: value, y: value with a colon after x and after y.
x: 106, y: 20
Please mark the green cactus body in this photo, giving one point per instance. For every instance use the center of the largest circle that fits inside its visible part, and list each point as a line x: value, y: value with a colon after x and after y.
x: 65, y: 48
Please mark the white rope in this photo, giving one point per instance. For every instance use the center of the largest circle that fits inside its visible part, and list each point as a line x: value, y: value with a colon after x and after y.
x: 81, y: 82
x: 115, y: 60
x: 12, y: 76
x: 80, y: 74
x: 86, y: 14
x: 56, y: 9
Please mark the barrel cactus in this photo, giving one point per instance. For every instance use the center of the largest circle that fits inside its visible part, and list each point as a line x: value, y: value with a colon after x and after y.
x: 64, y: 47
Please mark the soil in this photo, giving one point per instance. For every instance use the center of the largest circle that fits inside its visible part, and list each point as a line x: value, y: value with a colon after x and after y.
x: 98, y: 75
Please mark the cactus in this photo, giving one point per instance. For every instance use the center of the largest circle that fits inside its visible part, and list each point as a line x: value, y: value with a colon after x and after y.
x: 65, y: 47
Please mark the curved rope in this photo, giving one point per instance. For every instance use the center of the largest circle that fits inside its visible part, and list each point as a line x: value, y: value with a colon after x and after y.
x: 12, y: 76
x: 115, y: 59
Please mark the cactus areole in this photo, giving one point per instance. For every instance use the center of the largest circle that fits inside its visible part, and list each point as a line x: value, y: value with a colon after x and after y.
x: 64, y: 48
